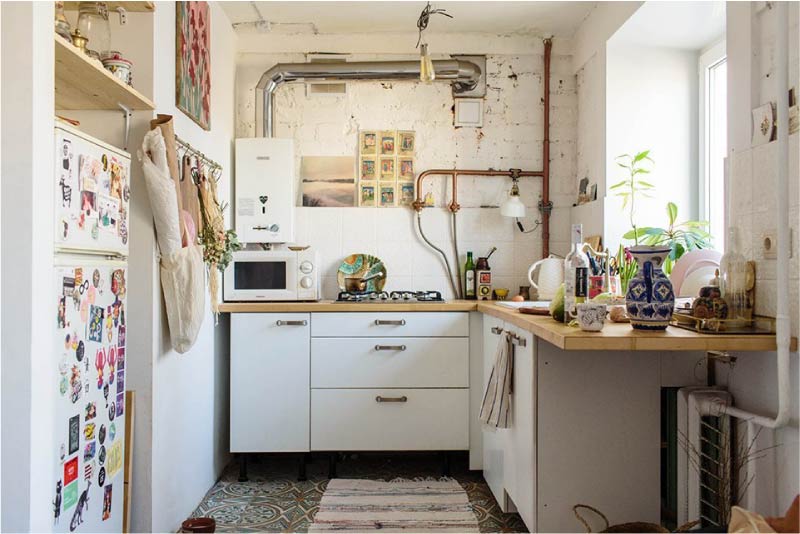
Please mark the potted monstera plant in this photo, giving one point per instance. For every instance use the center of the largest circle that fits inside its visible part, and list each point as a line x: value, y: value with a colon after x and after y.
x: 649, y: 299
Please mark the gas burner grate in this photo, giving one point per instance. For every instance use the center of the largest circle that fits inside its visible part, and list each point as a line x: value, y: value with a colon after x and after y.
x: 394, y: 296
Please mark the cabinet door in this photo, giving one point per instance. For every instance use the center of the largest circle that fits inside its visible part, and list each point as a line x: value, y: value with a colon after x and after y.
x: 520, y: 470
x: 494, y: 439
x: 270, y: 395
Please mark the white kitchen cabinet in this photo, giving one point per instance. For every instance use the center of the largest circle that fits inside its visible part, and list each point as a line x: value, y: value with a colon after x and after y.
x: 388, y: 324
x: 519, y: 469
x: 389, y: 419
x: 494, y: 439
x: 403, y: 362
x: 270, y: 368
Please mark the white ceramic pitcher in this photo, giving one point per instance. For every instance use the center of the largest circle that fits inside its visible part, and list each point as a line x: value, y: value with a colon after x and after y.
x: 551, y: 276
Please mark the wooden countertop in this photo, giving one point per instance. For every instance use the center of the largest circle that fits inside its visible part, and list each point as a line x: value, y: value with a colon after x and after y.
x: 331, y: 306
x: 614, y: 336
x: 620, y: 336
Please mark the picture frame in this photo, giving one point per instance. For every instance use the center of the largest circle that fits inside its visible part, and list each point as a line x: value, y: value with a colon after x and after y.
x: 763, y: 124
x: 366, y: 194
x: 368, y: 170
x: 368, y: 142
x: 405, y: 169
x: 387, y: 169
x: 387, y: 198
x: 193, y: 61
x: 387, y: 143
x: 406, y: 143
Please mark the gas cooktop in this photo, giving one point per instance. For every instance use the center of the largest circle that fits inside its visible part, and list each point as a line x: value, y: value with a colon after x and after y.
x: 381, y: 297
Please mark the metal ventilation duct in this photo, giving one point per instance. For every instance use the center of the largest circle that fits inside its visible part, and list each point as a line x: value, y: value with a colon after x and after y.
x: 464, y: 75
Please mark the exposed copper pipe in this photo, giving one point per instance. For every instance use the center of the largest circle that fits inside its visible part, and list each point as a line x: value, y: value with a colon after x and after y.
x: 545, y: 206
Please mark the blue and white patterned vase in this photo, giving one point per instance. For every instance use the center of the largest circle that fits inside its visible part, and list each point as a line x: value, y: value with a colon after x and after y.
x: 650, y: 299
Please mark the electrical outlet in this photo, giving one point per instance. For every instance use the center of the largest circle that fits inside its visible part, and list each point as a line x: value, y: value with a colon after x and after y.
x: 769, y: 244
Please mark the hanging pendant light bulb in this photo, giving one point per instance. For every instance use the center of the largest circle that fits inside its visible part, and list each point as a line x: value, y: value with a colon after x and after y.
x: 426, y: 72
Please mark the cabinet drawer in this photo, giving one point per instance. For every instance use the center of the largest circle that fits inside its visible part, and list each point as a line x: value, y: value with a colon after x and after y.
x: 352, y: 419
x: 387, y: 324
x: 389, y: 362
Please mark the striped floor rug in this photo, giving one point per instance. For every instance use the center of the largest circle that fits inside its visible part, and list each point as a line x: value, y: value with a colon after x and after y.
x: 352, y: 505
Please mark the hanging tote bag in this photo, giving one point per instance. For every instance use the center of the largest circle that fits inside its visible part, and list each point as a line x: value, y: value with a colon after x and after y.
x: 183, y: 282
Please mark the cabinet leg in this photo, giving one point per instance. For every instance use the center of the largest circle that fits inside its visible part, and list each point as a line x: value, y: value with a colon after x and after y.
x: 445, y: 464
x: 242, y: 467
x: 301, y: 474
x: 332, y: 465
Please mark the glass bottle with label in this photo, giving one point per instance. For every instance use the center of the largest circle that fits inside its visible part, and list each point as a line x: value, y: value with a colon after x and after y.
x: 576, y: 275
x: 469, y: 278
x: 733, y: 281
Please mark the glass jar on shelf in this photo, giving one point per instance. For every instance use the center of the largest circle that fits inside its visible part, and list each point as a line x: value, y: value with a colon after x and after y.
x: 733, y: 281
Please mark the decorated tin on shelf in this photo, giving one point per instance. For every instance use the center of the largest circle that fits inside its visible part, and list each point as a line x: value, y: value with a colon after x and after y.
x: 650, y: 299
x: 118, y: 66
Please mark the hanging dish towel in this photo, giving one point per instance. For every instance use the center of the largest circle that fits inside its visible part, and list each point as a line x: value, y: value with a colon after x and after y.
x: 497, y: 399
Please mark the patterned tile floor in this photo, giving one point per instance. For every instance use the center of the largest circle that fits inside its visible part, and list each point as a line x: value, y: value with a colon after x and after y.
x: 273, y: 500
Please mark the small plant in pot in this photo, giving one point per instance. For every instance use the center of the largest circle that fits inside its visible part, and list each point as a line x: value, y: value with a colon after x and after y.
x: 649, y: 298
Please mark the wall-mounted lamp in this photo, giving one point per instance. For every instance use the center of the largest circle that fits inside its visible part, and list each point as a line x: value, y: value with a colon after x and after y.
x: 426, y: 71
x: 513, y: 205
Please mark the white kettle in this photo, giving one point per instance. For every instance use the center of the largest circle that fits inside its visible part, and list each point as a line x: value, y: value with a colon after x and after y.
x: 551, y: 276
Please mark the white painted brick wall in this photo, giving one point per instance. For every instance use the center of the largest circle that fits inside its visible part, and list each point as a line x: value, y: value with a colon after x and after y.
x: 511, y: 137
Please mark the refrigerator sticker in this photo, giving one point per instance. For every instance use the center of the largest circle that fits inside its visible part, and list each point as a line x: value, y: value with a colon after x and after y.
x: 71, y: 471
x: 96, y: 324
x: 105, y: 394
x: 120, y: 403
x: 107, y: 503
x: 90, y: 412
x: 83, y: 504
x: 62, y: 451
x: 118, y: 283
x: 120, y: 351
x: 79, y: 277
x: 112, y: 411
x: 88, y: 471
x: 112, y: 431
x: 114, y: 463
x: 120, y: 384
x: 88, y: 431
x: 62, y: 312
x: 99, y: 364
x: 79, y: 351
x: 108, y: 210
x: 74, y: 433
x: 70, y: 496
x: 75, y: 384
x: 121, y: 340
x: 101, y: 477
x: 57, y: 503
x: 90, y: 174
x: 89, y: 451
x: 96, y: 278
x: 101, y: 456
x: 101, y: 434
x: 109, y: 324
x: 66, y: 192
x: 68, y: 286
x: 117, y: 179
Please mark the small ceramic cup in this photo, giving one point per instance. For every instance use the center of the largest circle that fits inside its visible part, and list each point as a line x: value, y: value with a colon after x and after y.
x: 591, y: 316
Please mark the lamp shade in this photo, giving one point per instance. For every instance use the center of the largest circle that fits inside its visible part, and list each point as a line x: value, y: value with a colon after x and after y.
x: 513, y: 207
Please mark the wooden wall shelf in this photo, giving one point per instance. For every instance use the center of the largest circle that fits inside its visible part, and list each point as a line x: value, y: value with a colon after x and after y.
x: 82, y: 83
x: 133, y: 7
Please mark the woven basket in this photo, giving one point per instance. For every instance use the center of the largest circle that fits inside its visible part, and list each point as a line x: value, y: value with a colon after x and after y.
x: 636, y: 526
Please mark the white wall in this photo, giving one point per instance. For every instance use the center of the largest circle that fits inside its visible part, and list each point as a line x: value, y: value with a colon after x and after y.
x: 752, y: 183
x: 190, y: 391
x: 511, y: 137
x: 28, y: 385
x: 651, y: 103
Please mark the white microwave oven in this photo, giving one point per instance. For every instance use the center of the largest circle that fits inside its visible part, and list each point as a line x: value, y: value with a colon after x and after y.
x: 265, y: 275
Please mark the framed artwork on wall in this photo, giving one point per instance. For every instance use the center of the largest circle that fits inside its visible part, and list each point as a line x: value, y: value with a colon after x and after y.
x: 193, y: 61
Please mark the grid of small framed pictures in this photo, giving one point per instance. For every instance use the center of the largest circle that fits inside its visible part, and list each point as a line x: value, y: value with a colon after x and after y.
x: 386, y: 168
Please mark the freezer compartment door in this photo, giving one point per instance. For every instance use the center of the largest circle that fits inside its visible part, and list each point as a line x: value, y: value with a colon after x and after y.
x: 92, y: 194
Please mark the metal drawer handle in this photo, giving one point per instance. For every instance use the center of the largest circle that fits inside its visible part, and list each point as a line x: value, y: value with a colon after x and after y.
x: 515, y: 339
x: 497, y: 330
x: 384, y: 322
x: 291, y: 323
x: 390, y: 347
x: 391, y: 399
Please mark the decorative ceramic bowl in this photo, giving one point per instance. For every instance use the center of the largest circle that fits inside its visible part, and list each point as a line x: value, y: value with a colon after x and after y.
x: 118, y: 66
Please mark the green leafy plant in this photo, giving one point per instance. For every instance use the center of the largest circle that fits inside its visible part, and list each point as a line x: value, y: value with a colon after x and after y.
x: 633, y: 185
x: 626, y: 267
x: 680, y: 237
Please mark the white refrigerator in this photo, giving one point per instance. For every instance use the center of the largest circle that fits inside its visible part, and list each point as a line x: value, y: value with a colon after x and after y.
x: 92, y: 206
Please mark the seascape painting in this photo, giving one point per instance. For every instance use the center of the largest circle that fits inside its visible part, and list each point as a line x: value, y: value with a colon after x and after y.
x: 328, y: 181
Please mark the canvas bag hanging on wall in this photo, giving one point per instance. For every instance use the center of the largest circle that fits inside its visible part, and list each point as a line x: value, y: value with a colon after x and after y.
x: 182, y: 268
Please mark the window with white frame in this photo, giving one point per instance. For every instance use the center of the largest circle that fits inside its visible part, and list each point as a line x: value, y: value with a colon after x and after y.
x: 713, y: 140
